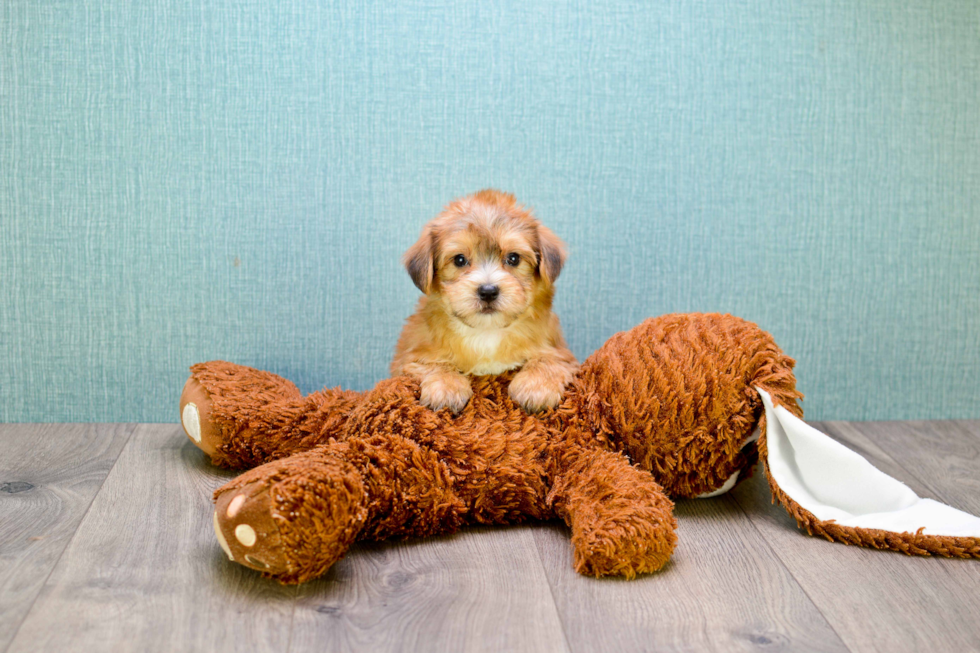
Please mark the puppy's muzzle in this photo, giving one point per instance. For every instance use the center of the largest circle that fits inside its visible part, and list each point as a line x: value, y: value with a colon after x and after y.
x: 488, y: 292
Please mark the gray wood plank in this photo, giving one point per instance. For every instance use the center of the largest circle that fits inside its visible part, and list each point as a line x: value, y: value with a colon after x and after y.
x: 880, y: 600
x: 483, y: 589
x: 943, y: 456
x: 144, y: 572
x: 723, y: 590
x: 49, y: 474
x: 971, y: 425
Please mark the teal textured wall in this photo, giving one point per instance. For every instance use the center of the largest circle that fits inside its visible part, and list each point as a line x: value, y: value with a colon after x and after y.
x: 183, y: 181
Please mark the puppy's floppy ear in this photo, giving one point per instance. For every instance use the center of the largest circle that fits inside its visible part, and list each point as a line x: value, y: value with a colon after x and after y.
x: 418, y: 261
x: 551, y: 254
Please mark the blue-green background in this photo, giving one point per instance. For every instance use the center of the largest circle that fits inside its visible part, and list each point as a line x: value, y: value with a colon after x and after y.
x: 183, y: 181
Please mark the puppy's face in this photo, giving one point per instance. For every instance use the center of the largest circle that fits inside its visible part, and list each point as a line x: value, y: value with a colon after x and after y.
x: 486, y: 272
x: 487, y: 260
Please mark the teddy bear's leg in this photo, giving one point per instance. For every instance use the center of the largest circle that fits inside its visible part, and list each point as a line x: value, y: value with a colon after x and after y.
x: 293, y: 518
x: 674, y: 393
x: 622, y: 522
x: 242, y: 417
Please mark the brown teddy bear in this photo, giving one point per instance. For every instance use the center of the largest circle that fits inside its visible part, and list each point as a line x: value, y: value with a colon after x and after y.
x: 675, y: 407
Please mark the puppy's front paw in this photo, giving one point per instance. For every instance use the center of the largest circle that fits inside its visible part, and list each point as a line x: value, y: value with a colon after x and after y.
x: 535, y: 391
x: 450, y: 390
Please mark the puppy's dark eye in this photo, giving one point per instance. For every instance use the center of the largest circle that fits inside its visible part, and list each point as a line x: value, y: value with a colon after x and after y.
x: 459, y: 261
x: 513, y: 259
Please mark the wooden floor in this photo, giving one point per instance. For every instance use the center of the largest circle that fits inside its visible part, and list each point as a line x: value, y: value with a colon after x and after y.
x: 106, y: 543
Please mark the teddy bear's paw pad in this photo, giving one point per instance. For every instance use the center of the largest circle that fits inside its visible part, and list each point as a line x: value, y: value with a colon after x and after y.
x: 190, y: 419
x: 247, y: 531
x: 221, y: 538
x: 195, y: 417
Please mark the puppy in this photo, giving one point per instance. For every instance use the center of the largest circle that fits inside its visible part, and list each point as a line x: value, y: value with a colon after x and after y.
x: 487, y: 268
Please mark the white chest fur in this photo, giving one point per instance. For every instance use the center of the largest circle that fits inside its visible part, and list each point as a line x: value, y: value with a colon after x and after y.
x: 485, y: 346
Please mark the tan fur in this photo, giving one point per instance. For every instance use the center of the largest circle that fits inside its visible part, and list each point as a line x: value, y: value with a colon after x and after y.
x: 453, y: 334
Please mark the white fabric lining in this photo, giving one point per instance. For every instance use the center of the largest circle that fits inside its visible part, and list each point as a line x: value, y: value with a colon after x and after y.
x: 834, y: 483
x: 728, y: 485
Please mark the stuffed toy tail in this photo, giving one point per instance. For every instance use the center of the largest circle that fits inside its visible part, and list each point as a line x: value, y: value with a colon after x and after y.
x: 834, y: 492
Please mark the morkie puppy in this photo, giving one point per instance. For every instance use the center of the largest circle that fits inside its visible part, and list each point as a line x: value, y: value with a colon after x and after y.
x: 487, y: 268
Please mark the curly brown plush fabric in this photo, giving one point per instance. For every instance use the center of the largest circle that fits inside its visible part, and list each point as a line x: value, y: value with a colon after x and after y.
x: 664, y: 409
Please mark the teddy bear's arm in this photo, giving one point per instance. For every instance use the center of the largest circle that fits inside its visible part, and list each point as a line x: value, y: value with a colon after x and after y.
x: 242, y: 417
x: 622, y: 521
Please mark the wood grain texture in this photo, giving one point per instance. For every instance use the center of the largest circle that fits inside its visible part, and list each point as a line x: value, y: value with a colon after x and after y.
x: 943, y: 456
x: 483, y: 589
x: 144, y: 572
x: 884, y: 601
x: 970, y: 425
x: 49, y: 474
x: 723, y: 590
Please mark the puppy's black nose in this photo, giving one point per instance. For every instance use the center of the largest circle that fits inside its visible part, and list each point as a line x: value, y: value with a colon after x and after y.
x: 488, y: 292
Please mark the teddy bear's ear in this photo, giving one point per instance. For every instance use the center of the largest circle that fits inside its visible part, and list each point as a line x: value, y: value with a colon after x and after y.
x: 418, y: 261
x: 551, y: 254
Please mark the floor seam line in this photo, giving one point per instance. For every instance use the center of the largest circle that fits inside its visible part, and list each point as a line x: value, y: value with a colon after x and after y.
x: 782, y: 564
x: 292, y: 619
x: 88, y: 508
x: 551, y: 592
